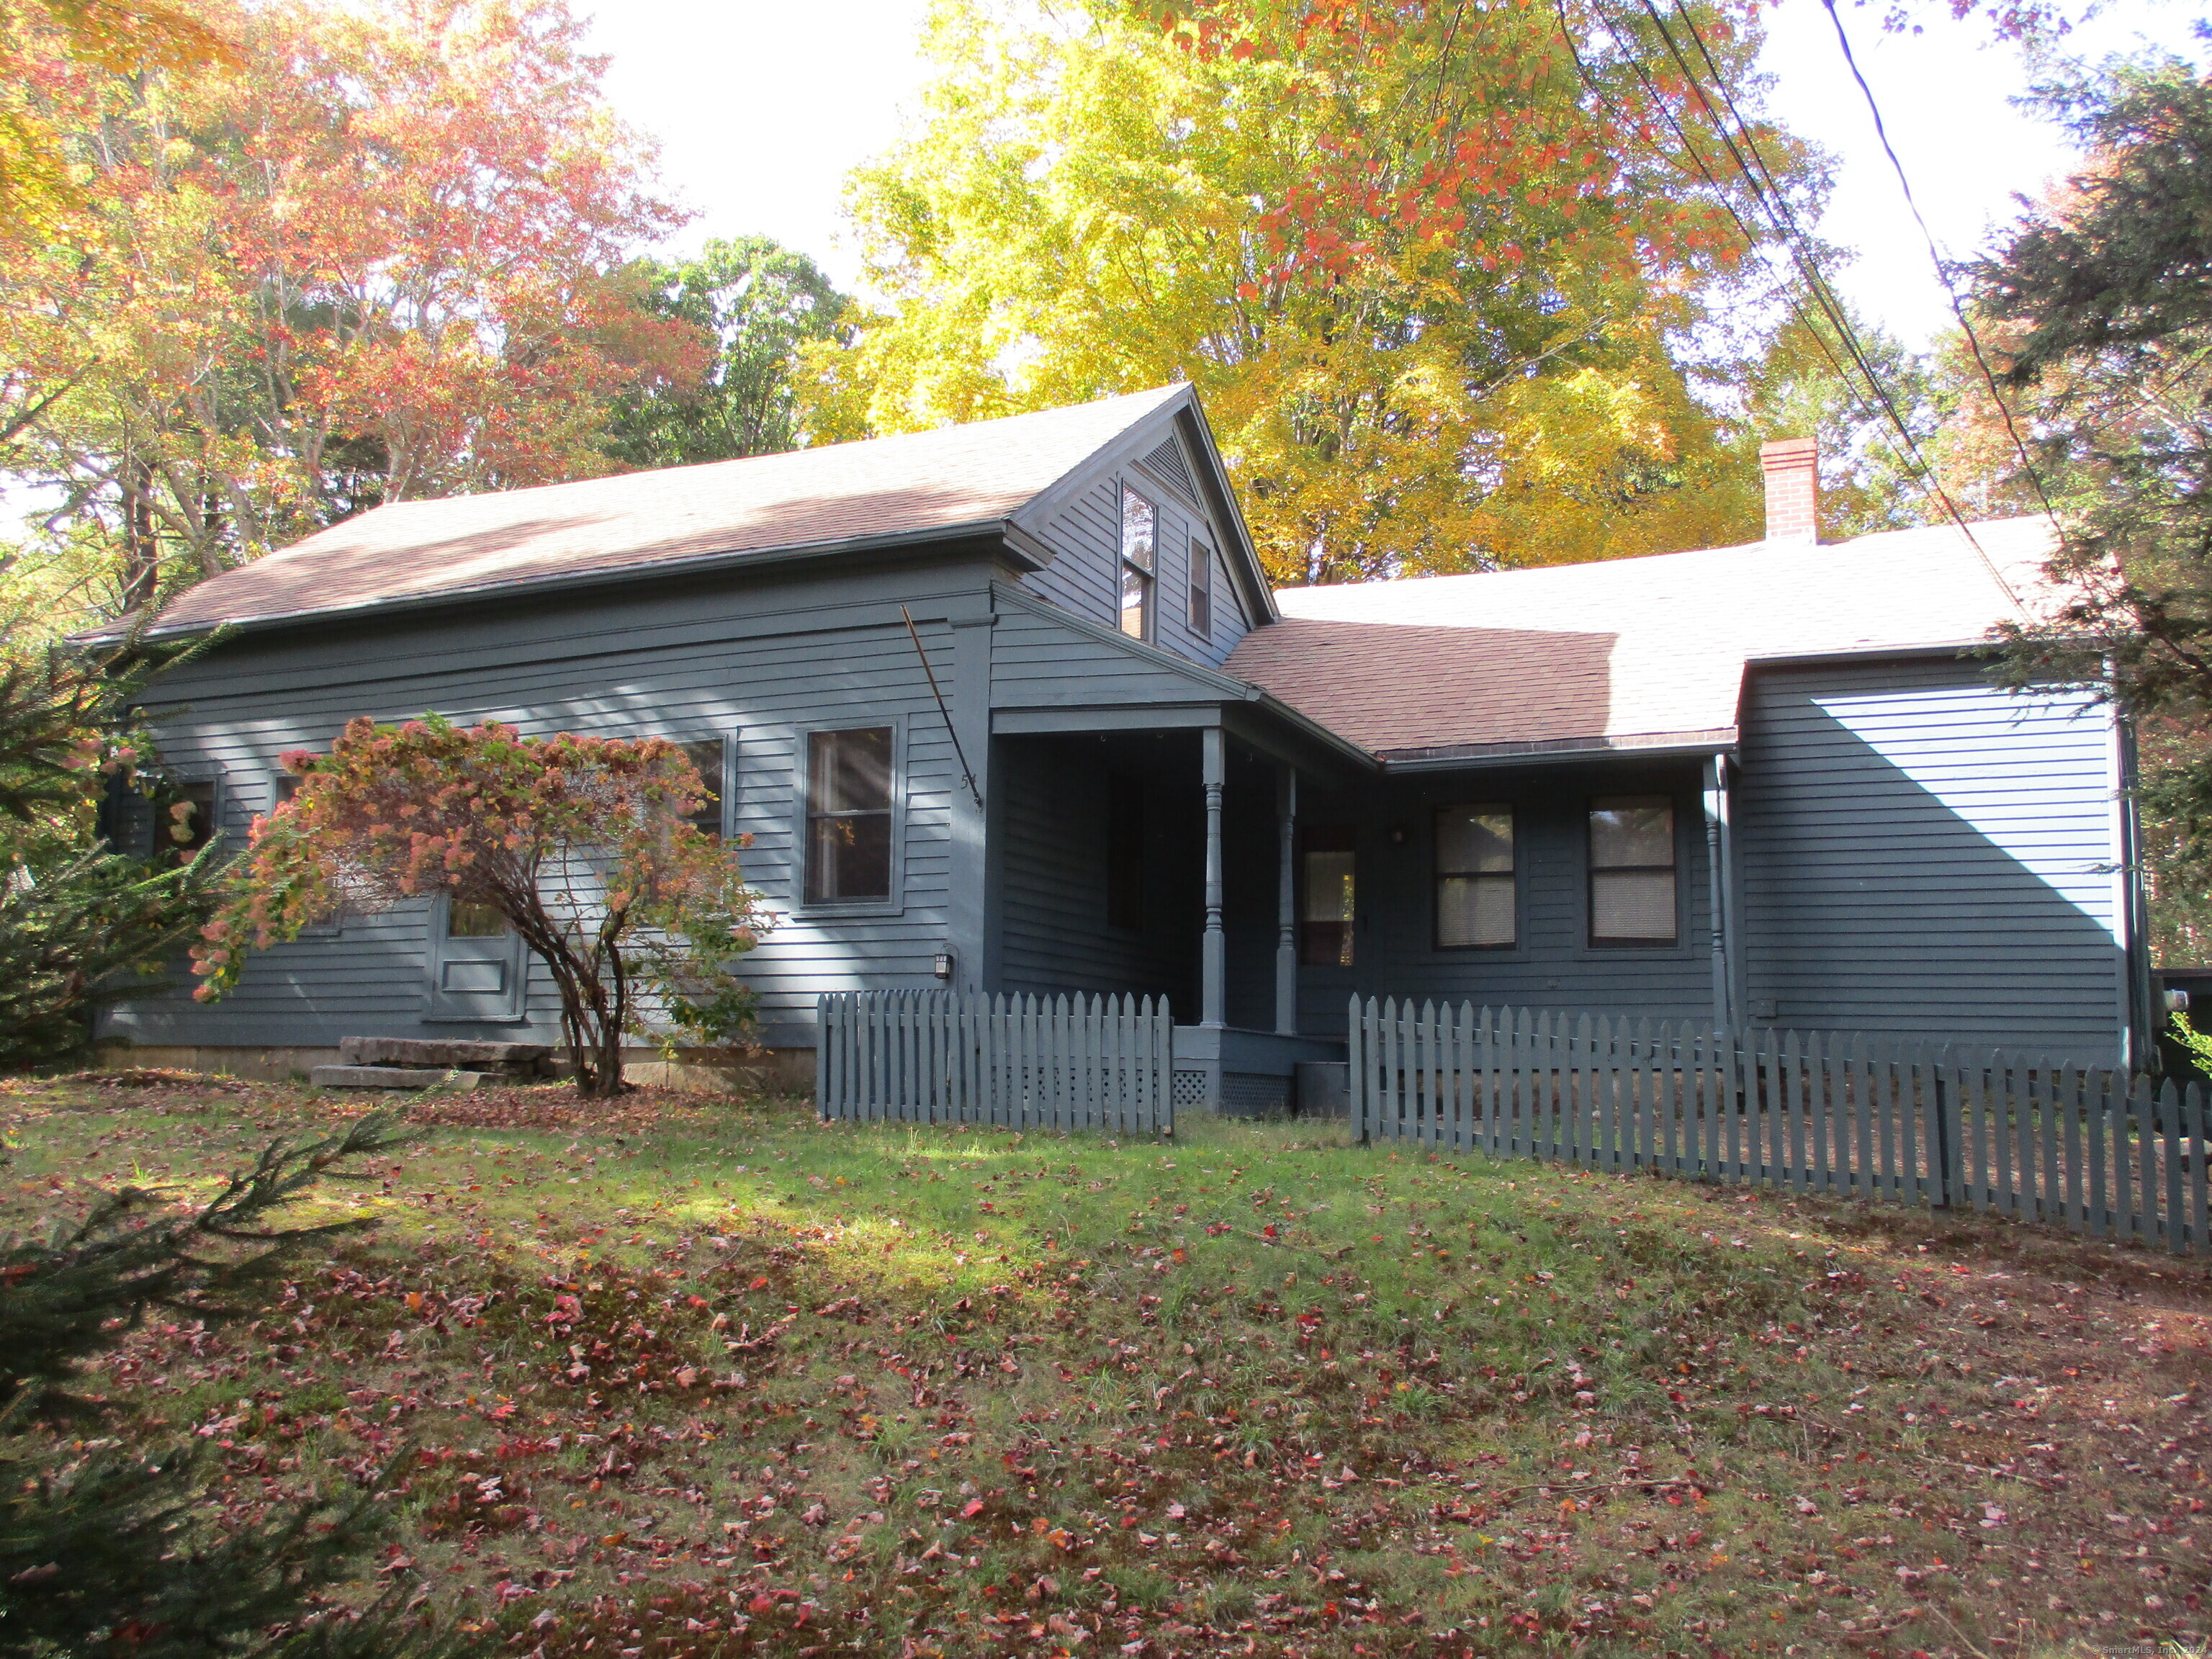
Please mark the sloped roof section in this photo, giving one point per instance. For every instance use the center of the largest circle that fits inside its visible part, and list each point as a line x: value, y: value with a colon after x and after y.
x: 1628, y: 652
x: 911, y: 484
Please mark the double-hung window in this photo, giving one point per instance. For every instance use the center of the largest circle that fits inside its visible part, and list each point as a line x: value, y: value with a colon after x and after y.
x: 1631, y: 870
x: 1475, y: 875
x: 849, y: 815
x: 1139, y: 522
x: 1201, y: 588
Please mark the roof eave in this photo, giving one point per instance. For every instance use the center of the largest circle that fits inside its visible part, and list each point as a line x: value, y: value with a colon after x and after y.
x: 1642, y: 746
x: 1020, y: 548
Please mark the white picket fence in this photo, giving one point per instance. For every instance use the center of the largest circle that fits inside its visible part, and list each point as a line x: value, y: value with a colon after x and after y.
x: 1102, y: 1063
x: 2092, y: 1150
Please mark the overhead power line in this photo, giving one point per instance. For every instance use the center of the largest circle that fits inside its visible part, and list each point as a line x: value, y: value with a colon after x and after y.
x: 1935, y: 256
x: 1766, y: 191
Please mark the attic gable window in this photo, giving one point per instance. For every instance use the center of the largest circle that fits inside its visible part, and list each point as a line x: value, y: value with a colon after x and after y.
x: 1139, y: 521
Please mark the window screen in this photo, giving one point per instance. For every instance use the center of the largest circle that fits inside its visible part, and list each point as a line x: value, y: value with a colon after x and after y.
x: 706, y: 756
x: 1201, y: 589
x: 1125, y: 852
x: 1327, y: 903
x: 848, y: 814
x: 1138, y: 523
x: 1475, y: 878
x: 1632, y: 866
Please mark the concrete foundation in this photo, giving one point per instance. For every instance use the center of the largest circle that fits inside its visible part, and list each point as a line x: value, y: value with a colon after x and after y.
x: 775, y: 1071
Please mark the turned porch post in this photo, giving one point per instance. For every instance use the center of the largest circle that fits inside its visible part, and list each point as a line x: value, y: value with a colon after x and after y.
x: 1213, y: 962
x: 1286, y: 898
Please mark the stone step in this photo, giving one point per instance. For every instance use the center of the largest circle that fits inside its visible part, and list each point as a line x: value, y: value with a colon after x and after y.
x: 416, y: 1051
x: 391, y: 1077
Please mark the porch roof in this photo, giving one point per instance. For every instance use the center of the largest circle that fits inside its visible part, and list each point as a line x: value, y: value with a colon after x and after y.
x: 1637, y: 653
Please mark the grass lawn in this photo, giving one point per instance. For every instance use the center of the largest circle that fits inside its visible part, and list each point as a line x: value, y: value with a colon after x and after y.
x: 702, y: 1377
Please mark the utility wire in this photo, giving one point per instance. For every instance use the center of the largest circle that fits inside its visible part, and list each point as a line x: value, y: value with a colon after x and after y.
x: 1942, y: 271
x: 1767, y: 191
x: 1914, y: 465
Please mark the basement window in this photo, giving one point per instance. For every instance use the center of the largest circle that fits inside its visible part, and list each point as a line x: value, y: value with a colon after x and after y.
x: 1631, y: 870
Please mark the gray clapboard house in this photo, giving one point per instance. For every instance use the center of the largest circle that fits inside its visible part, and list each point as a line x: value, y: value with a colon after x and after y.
x: 1765, y: 784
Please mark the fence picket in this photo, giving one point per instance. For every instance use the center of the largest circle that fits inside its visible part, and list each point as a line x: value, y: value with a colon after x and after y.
x: 2200, y: 1189
x: 1808, y: 1112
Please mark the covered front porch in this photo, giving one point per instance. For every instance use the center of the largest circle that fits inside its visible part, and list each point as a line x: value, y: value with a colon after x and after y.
x: 1259, y: 880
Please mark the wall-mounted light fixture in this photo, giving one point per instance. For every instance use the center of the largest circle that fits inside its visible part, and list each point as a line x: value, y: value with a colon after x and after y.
x: 941, y: 965
x: 1399, y: 833
x: 2177, y: 1000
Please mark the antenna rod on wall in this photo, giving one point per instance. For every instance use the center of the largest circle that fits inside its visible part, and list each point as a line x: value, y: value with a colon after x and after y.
x: 958, y: 753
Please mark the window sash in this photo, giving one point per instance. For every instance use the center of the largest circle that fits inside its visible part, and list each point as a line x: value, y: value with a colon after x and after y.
x: 1635, y: 896
x: 1139, y: 539
x: 849, y: 819
x: 1475, y: 851
x: 1201, y: 589
x: 1328, y: 895
x: 710, y: 757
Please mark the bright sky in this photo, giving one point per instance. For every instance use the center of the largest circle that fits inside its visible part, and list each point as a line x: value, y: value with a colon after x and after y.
x: 759, y: 125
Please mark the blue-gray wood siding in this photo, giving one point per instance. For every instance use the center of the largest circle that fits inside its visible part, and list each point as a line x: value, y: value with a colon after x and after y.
x: 1919, y: 852
x: 1039, y: 660
x: 1086, y: 574
x: 1055, y: 937
x: 764, y: 659
x: 1552, y: 964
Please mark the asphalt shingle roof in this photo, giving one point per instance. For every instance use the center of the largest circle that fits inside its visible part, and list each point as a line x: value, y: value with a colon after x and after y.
x: 1626, y: 653
x: 918, y: 482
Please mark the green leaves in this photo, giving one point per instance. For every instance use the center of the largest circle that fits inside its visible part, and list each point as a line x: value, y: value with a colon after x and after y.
x: 582, y: 843
x: 762, y: 304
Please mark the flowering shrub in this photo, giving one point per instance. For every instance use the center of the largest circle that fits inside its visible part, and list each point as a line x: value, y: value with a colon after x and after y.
x: 580, y: 843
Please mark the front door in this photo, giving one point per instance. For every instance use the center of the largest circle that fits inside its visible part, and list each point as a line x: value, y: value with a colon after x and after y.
x: 475, y: 964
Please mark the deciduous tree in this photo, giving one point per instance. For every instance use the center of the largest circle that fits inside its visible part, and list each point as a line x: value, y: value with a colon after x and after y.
x: 581, y: 844
x: 1436, y: 270
x: 761, y: 303
x: 381, y: 256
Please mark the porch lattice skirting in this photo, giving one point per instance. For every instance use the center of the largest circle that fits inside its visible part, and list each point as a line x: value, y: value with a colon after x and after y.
x: 1104, y: 1063
x: 2090, y: 1150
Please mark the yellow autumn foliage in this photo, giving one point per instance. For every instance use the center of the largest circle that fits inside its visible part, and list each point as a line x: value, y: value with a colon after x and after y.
x: 1089, y: 206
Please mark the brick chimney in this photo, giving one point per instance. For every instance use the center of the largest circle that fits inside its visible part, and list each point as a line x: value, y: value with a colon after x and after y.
x: 1792, y: 467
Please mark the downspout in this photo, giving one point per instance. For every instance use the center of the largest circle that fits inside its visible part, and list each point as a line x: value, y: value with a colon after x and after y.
x: 1716, y: 884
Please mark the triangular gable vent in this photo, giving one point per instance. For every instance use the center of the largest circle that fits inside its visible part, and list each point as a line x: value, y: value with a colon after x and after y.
x: 1167, y: 461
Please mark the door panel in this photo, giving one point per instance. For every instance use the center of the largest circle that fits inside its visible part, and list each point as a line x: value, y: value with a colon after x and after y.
x: 476, y: 965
